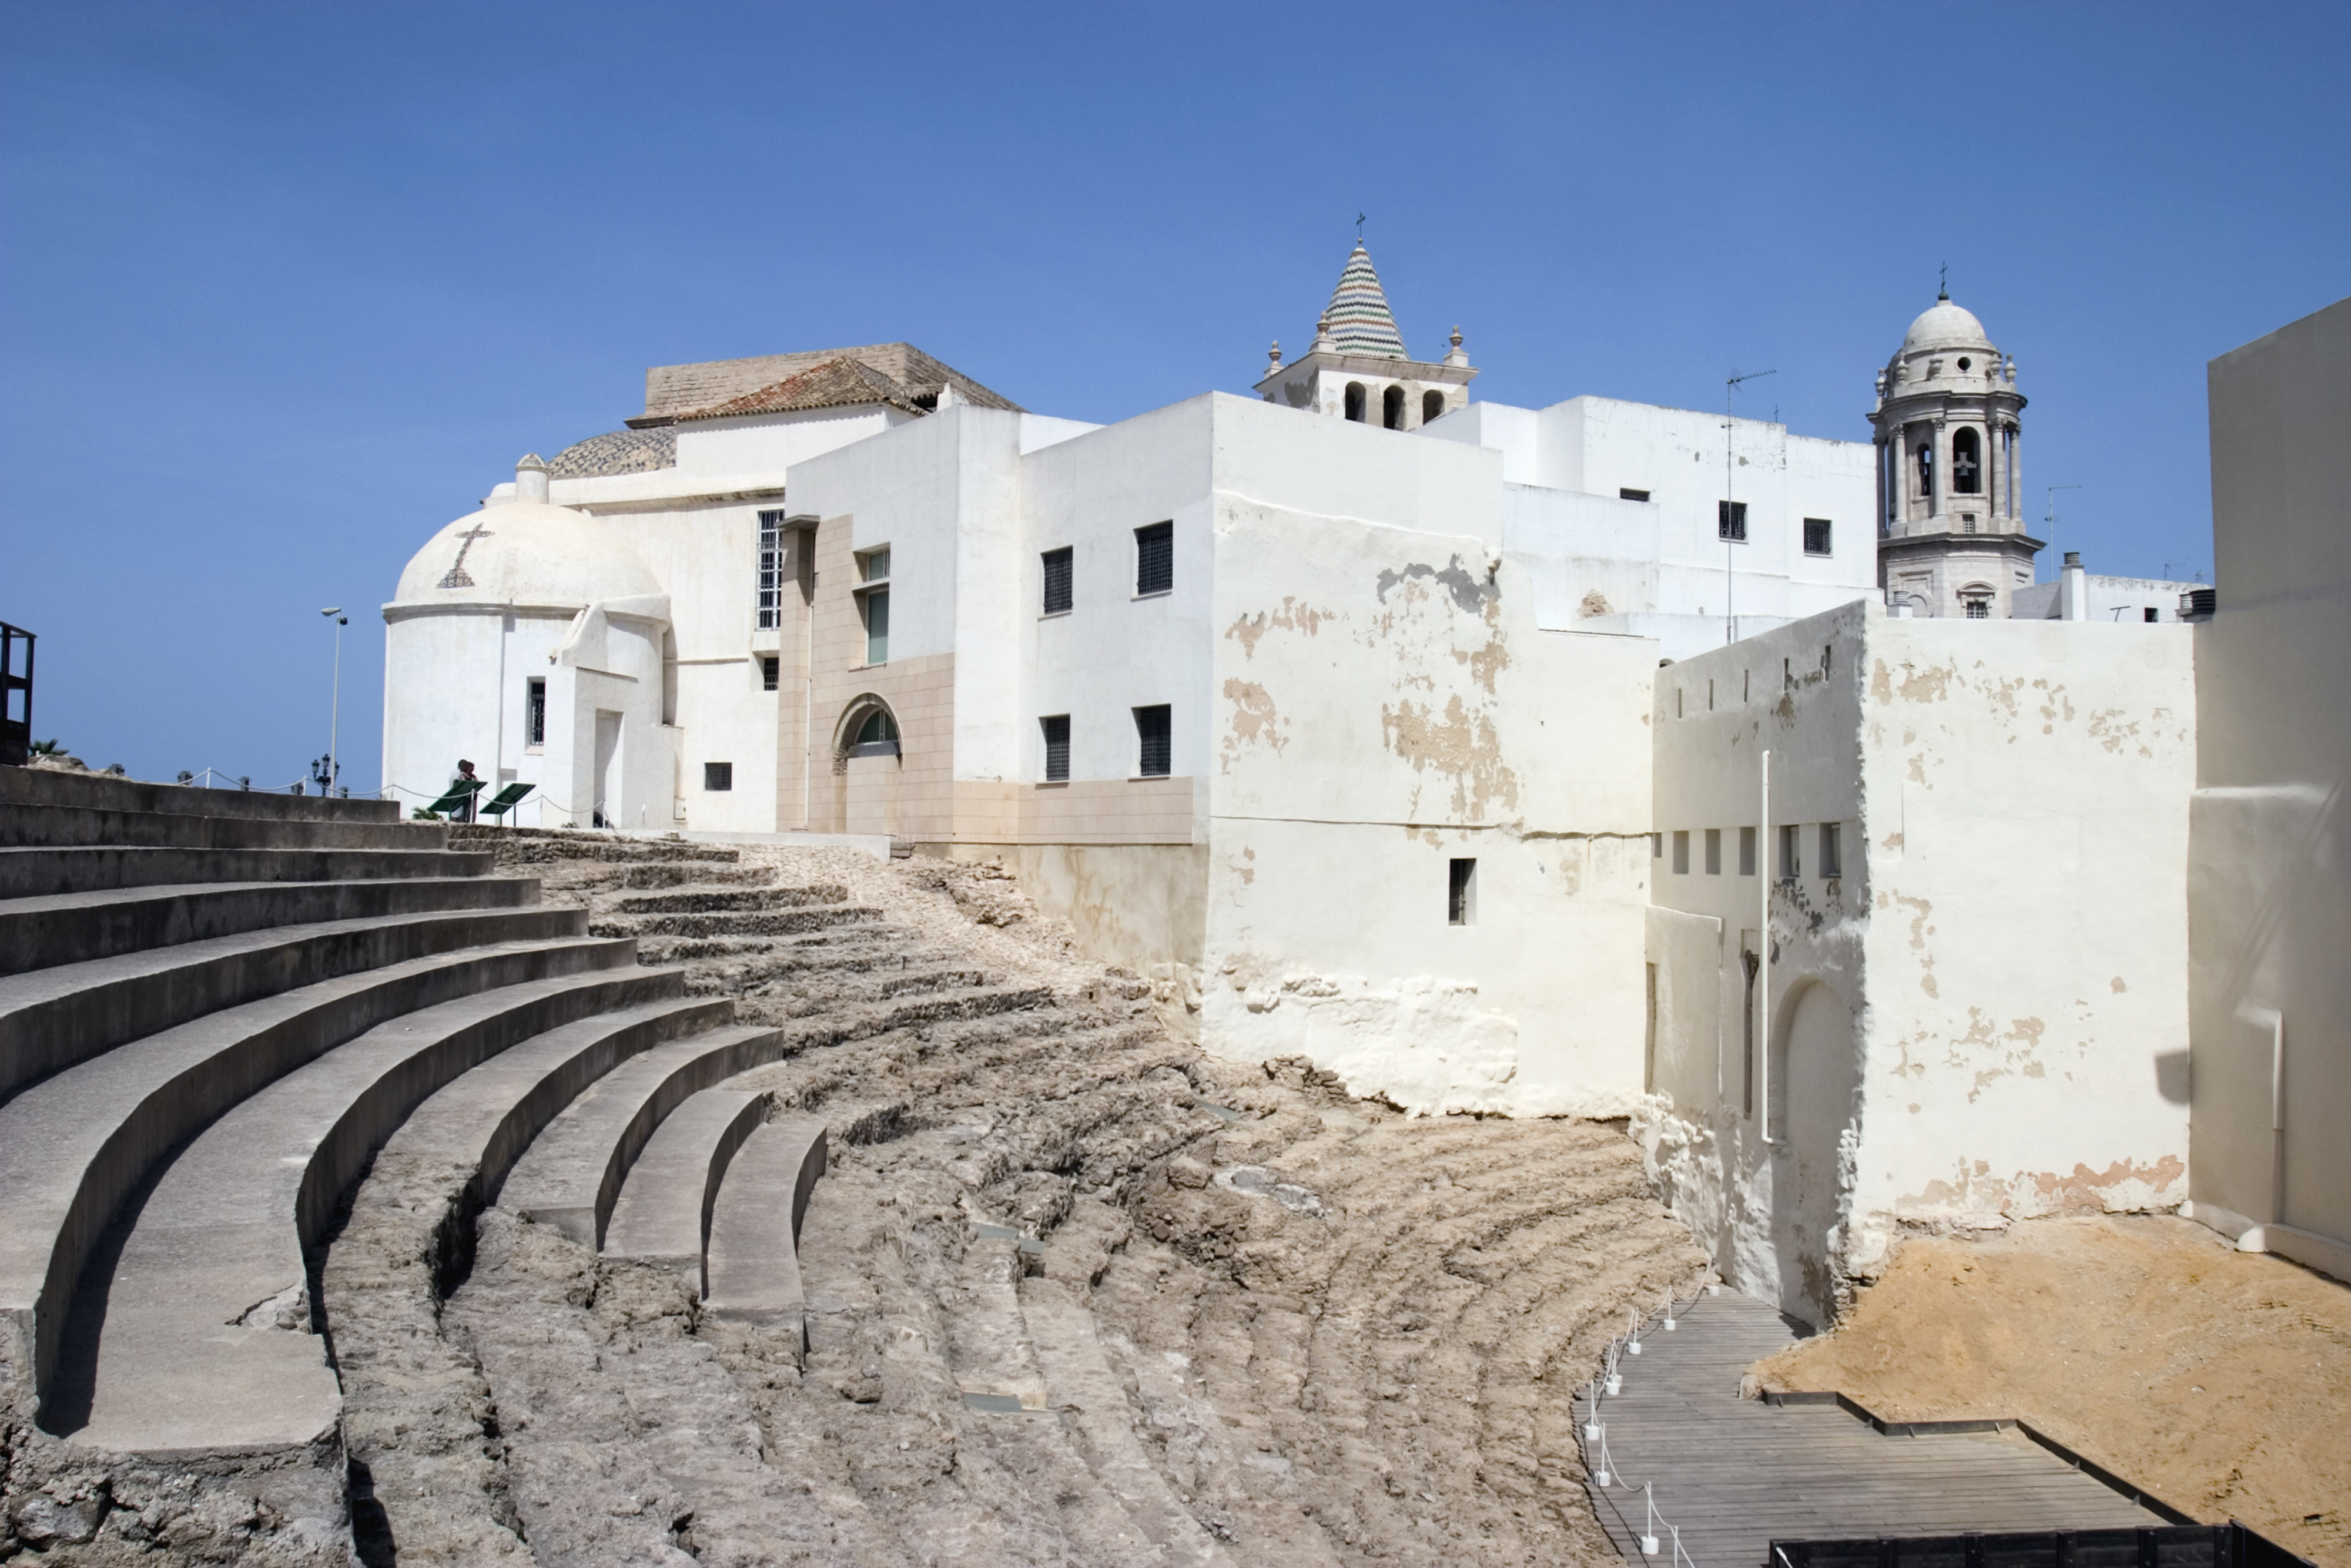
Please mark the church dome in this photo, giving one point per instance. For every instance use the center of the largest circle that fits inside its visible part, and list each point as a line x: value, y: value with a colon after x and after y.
x: 525, y: 552
x: 1944, y: 325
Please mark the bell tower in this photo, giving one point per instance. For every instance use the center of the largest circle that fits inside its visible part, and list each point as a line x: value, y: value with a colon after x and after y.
x: 1357, y: 368
x: 1950, y: 529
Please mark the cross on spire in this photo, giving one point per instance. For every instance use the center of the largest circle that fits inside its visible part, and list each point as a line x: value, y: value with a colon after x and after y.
x: 1943, y: 287
x: 1359, y: 228
x: 455, y: 576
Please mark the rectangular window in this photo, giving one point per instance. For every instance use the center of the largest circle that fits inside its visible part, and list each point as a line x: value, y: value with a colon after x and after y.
x: 772, y: 569
x: 1152, y: 745
x: 717, y: 776
x: 875, y: 565
x: 1631, y: 495
x: 1057, y: 748
x: 770, y: 672
x: 1461, y: 894
x: 1816, y: 536
x: 1832, y: 861
x: 1681, y: 852
x: 877, y: 626
x: 1730, y: 520
x: 1154, y: 559
x: 1714, y: 852
x: 534, y: 712
x: 2153, y: 614
x: 1790, y: 862
x: 1747, y: 852
x: 1057, y: 595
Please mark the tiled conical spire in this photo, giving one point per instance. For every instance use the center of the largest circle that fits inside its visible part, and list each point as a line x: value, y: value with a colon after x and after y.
x: 1361, y: 321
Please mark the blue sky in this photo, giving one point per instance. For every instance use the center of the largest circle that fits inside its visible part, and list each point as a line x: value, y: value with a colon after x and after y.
x: 284, y: 287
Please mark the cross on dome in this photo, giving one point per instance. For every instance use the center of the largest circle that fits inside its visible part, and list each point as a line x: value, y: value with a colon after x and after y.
x: 1360, y: 320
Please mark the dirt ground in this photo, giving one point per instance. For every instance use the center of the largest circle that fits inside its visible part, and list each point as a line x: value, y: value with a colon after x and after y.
x: 2220, y: 1381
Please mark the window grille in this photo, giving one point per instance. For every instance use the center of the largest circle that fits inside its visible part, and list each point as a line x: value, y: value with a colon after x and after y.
x: 1154, y: 558
x: 1461, y: 894
x: 1816, y: 536
x: 534, y: 721
x: 1730, y: 520
x: 1059, y: 594
x: 1057, y: 748
x: 1153, y: 744
x: 770, y: 672
x: 772, y: 569
x: 1979, y: 610
x: 717, y: 776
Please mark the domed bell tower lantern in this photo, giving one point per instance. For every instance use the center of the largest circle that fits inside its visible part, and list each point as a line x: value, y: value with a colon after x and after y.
x: 1950, y: 529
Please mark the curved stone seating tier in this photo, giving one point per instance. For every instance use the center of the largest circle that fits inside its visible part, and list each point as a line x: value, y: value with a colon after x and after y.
x: 751, y: 1270
x: 37, y: 933
x: 53, y: 1018
x: 102, y: 791
x: 73, y: 1147
x: 197, y: 1339
x: 572, y: 1175
x: 663, y: 1214
x: 737, y: 923
x: 91, y: 868
x: 706, y: 900
x: 59, y: 826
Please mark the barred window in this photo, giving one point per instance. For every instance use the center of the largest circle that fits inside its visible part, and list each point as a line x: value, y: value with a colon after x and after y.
x: 717, y: 776
x: 1057, y: 748
x: 772, y: 569
x: 534, y: 722
x: 1154, y: 558
x: 1730, y: 520
x: 1058, y: 587
x: 1816, y: 536
x: 1151, y: 734
x: 770, y: 672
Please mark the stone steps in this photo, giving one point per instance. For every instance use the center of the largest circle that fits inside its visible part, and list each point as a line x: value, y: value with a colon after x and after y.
x: 572, y: 1173
x: 52, y: 1018
x: 817, y: 991
x: 91, y: 868
x: 722, y: 900
x: 752, y: 1270
x: 663, y: 1214
x: 534, y: 846
x: 751, y: 923
x: 197, y: 1338
x: 681, y: 873
x: 61, y: 827
x: 64, y: 928
x: 75, y: 1146
x: 99, y: 791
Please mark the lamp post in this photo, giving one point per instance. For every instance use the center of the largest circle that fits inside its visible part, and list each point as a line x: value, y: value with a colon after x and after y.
x: 335, y: 701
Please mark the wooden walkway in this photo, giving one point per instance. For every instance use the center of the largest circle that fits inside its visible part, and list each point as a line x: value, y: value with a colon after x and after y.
x: 1735, y: 1473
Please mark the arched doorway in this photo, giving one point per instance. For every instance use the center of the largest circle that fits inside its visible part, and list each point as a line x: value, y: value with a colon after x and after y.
x: 1814, y: 1097
x: 867, y: 759
x: 1355, y: 401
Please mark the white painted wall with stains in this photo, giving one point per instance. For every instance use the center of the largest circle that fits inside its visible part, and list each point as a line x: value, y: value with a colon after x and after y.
x: 1983, y: 1016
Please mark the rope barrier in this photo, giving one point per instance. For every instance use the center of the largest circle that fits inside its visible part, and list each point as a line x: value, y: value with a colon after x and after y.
x: 1593, y: 1437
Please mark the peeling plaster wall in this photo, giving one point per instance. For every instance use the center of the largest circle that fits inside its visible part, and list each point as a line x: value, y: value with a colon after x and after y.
x: 1985, y: 1017
x: 1384, y: 702
x: 2270, y: 878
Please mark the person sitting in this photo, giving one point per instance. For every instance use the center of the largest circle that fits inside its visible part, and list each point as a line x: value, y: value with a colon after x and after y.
x: 466, y: 781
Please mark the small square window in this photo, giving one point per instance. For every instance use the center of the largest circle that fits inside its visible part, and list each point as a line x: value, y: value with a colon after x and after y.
x: 2153, y: 614
x: 1058, y: 585
x: 1154, y: 558
x: 1154, y: 745
x: 1791, y: 858
x: 1681, y: 852
x: 1623, y: 495
x: 1730, y: 521
x: 1817, y: 537
x: 1831, y: 858
x: 1461, y: 894
x: 1747, y: 852
x: 1057, y: 748
x: 1714, y: 852
x: 717, y: 776
x: 770, y: 672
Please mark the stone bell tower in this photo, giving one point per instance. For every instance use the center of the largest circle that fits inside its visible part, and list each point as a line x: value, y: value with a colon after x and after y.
x: 1950, y: 529
x: 1357, y: 367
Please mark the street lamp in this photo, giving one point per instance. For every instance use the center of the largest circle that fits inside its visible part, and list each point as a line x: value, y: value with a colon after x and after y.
x: 334, y: 704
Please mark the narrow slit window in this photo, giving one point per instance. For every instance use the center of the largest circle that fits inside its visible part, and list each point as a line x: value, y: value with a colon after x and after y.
x: 1461, y: 892
x: 1831, y: 859
x: 877, y: 626
x: 1057, y: 748
x: 534, y: 721
x: 1656, y: 846
x: 1747, y: 852
x: 1059, y: 584
x: 1714, y: 852
x: 1154, y: 559
x: 1153, y: 742
x: 1681, y: 852
x: 1790, y: 852
x: 717, y: 777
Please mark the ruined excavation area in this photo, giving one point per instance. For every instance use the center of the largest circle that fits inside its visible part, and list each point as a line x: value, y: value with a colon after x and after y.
x: 2216, y: 1379
x: 1076, y: 1292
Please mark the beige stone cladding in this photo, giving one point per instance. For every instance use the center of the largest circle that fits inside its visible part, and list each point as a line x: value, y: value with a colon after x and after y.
x: 910, y: 795
x: 2270, y: 878
x: 1973, y: 1009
